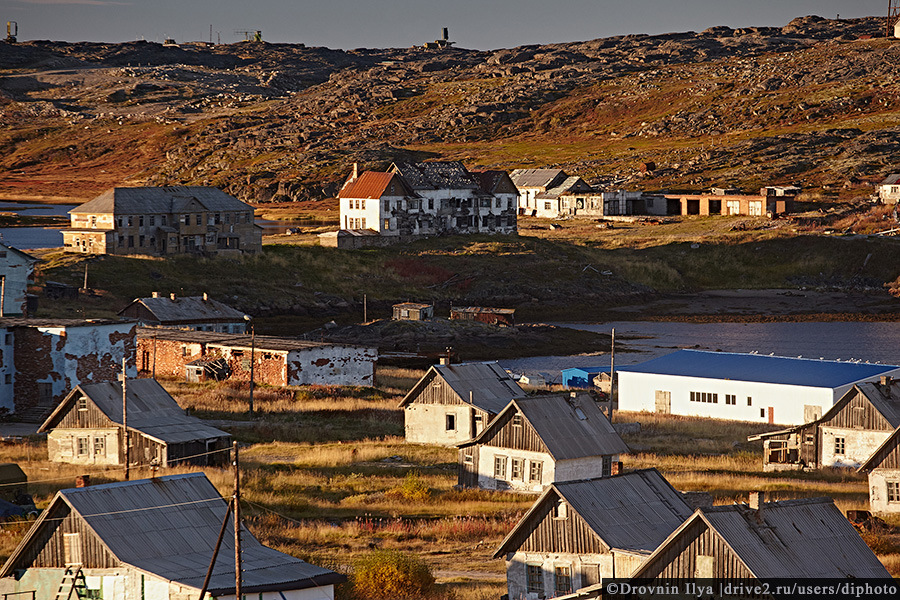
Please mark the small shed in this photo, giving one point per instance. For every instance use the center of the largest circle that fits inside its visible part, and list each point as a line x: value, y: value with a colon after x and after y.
x: 484, y: 314
x: 413, y: 311
x: 580, y: 377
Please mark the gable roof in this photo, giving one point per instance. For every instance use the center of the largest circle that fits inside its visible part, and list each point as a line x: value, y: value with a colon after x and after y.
x: 160, y: 200
x: 151, y: 411
x: 569, y: 185
x: 878, y: 457
x: 23, y: 255
x: 489, y: 385
x: 759, y: 368
x: 168, y: 526
x: 436, y: 175
x: 805, y: 538
x: 635, y: 511
x: 372, y: 185
x: 490, y: 180
x: 570, y: 427
x: 537, y: 177
x: 187, y: 309
x: 891, y: 179
x: 234, y: 340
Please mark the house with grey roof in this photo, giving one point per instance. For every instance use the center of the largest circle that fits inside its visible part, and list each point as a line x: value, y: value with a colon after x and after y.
x: 16, y: 271
x: 888, y: 191
x: 87, y: 428
x: 578, y: 533
x: 531, y: 182
x: 845, y: 436
x: 807, y: 538
x: 200, y: 313
x: 453, y: 403
x: 883, y: 469
x: 150, y: 539
x: 539, y: 440
x: 563, y: 198
x: 161, y: 221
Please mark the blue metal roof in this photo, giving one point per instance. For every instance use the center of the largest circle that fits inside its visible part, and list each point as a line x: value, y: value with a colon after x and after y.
x: 585, y: 370
x: 760, y: 368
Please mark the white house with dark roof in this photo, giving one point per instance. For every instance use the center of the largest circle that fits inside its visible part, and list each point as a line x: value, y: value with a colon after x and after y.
x: 531, y: 182
x: 579, y: 533
x: 16, y: 270
x: 539, y: 440
x: 888, y: 191
x: 160, y: 221
x: 454, y: 403
x: 742, y: 387
x: 883, y: 469
x: 151, y: 539
x: 200, y: 313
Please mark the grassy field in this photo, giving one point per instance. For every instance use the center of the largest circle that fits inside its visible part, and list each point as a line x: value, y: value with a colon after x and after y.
x: 328, y: 477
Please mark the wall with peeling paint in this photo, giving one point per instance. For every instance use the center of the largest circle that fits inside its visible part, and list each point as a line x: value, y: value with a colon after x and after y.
x: 16, y: 270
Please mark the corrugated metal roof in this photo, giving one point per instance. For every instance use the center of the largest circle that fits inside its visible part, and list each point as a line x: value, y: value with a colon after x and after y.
x: 569, y: 427
x: 537, y: 177
x: 232, y: 340
x: 412, y: 305
x: 888, y: 405
x: 169, y: 525
x: 489, y: 385
x: 436, y: 175
x: 28, y: 322
x: 795, y: 538
x: 160, y: 200
x: 187, y: 309
x: 151, y: 410
x: 568, y: 185
x: 891, y: 179
x: 759, y: 368
x: 635, y: 511
x: 488, y: 180
x: 372, y: 185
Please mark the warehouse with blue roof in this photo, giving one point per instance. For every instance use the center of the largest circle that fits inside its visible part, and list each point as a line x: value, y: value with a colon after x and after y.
x: 742, y: 387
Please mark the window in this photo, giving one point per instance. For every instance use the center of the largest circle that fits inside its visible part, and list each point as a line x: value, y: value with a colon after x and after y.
x: 362, y: 204
x: 119, y: 221
x: 840, y: 445
x: 141, y: 221
x: 762, y: 413
x: 451, y: 422
x: 563, y: 581
x: 893, y: 491
x: 141, y: 240
x: 8, y: 338
x: 547, y: 206
x: 559, y: 511
x: 517, y: 471
x: 186, y: 219
x: 468, y: 458
x: 730, y: 399
x: 517, y: 420
x: 534, y: 575
x: 535, y: 473
x: 749, y: 401
x: 479, y: 420
x: 431, y: 204
x: 8, y: 378
x: 130, y: 221
x: 99, y: 446
x: 121, y: 240
x: 162, y: 220
x: 83, y: 446
x: 227, y: 217
x: 218, y: 218
x: 500, y: 467
x: 607, y: 466
x: 131, y: 241
x: 707, y: 397
x: 82, y: 403
x: 198, y: 220
x: 857, y: 417
x: 152, y: 220
x: 387, y: 224
x: 363, y: 224
x: 387, y: 205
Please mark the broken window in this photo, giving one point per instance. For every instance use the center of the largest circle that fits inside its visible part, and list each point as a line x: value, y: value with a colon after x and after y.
x: 450, y: 422
x: 535, y: 579
x: 500, y: 467
x: 141, y: 221
x: 152, y: 220
x: 518, y: 469
x: 893, y: 491
x: 606, y: 469
x: 83, y: 446
x: 198, y: 220
x: 563, y: 581
x: 840, y: 445
x: 100, y: 446
x: 559, y: 511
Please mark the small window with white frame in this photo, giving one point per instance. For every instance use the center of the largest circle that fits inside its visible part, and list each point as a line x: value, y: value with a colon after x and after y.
x: 500, y: 467
x: 840, y: 445
x: 893, y: 491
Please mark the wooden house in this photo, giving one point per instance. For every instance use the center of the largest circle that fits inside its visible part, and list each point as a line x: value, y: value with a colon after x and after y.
x: 413, y: 311
x: 539, y: 440
x: 796, y: 539
x: 845, y: 436
x: 453, y: 403
x: 200, y: 313
x: 86, y: 428
x: 530, y: 183
x: 883, y: 468
x: 150, y: 539
x: 581, y: 532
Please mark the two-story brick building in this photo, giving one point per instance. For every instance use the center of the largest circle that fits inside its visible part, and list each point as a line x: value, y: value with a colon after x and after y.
x: 160, y: 221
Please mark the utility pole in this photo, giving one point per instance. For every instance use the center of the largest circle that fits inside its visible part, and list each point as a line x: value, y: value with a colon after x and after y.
x: 252, y: 364
x: 85, y: 276
x: 155, y: 335
x: 2, y: 295
x: 612, y: 373
x: 123, y: 377
x: 365, y: 310
x: 236, y: 499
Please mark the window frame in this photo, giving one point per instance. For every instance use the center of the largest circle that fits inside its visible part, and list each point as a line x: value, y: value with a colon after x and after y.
x: 500, y: 467
x: 534, y: 578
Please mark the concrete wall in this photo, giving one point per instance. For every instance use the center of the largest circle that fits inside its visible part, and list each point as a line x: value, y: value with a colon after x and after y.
x: 62, y: 446
x: 859, y: 445
x: 486, y: 479
x: 582, y: 468
x: 325, y: 592
x: 16, y: 271
x: 878, y: 499
x: 600, y: 566
x: 427, y: 423
x: 889, y: 194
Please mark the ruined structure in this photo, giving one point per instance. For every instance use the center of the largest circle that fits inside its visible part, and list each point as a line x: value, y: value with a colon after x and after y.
x: 191, y: 312
x: 16, y: 269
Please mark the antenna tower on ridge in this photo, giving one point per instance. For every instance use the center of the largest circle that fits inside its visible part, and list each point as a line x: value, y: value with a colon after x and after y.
x: 891, y: 25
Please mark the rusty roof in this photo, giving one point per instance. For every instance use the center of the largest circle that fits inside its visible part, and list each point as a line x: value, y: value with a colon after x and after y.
x: 372, y: 185
x: 805, y: 538
x: 635, y: 511
x: 483, y: 309
x: 168, y: 526
x: 487, y: 385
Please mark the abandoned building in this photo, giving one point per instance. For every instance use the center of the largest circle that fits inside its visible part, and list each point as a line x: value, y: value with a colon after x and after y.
x: 412, y: 311
x: 539, y: 440
x: 421, y: 199
x: 200, y: 313
x: 16, y: 271
x: 579, y: 533
x: 86, y: 428
x: 161, y: 221
x: 484, y: 314
x: 150, y: 539
x: 453, y: 403
x: 845, y: 436
x: 276, y: 361
x: 741, y: 387
x: 43, y: 359
x: 888, y: 191
x: 530, y: 183
x: 883, y: 469
x: 796, y: 539
x: 733, y: 204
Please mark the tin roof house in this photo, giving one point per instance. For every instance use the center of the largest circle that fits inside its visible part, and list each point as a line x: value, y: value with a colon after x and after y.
x: 150, y: 539
x: 888, y: 191
x: 578, y: 533
x: 845, y: 436
x: 741, y: 387
x: 539, y: 440
x: 190, y: 312
x: 530, y: 183
x: 453, y: 403
x: 883, y: 469
x: 794, y: 539
x: 86, y: 428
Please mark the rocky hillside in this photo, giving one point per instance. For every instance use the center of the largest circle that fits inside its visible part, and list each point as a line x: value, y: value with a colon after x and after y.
x: 812, y: 103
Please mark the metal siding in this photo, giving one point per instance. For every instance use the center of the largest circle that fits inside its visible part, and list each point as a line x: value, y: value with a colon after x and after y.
x: 566, y: 435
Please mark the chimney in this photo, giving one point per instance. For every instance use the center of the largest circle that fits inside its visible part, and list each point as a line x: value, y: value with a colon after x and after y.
x: 445, y: 360
x: 757, y: 501
x: 446, y: 34
x: 205, y: 297
x: 355, y: 174
x: 172, y: 296
x: 155, y: 295
x: 82, y: 481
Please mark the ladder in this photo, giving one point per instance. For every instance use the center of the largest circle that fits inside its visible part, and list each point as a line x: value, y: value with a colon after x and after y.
x: 72, y: 580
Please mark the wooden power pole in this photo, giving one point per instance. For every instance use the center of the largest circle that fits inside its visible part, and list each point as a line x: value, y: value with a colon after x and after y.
x: 125, y: 441
x: 236, y: 499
